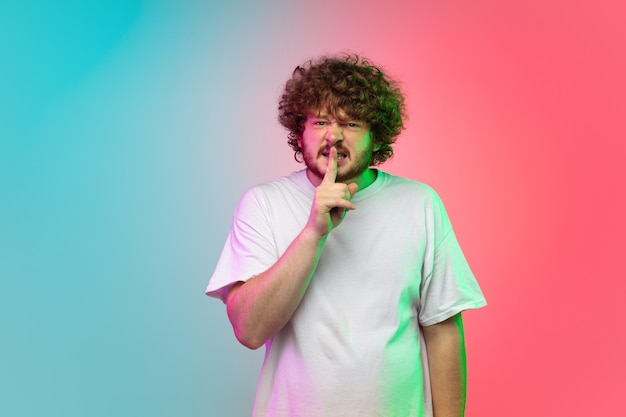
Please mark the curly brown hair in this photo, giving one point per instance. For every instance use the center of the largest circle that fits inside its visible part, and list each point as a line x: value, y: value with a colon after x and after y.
x: 346, y: 83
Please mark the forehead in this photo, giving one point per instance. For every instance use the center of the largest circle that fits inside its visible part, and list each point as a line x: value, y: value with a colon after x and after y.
x: 339, y: 114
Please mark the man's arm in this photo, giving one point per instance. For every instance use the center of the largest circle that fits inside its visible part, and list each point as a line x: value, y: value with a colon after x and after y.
x: 445, y: 347
x: 261, y: 306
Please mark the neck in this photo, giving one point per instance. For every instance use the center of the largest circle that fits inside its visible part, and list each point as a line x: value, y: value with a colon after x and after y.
x: 366, y: 179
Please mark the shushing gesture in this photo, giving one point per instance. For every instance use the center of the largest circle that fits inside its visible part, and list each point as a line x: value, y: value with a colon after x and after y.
x: 332, y: 200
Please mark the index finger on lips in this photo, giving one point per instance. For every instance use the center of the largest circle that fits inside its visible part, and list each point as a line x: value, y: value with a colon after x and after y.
x: 331, y: 167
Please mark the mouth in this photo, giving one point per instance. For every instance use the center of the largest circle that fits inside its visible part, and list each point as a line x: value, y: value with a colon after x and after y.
x: 340, y: 155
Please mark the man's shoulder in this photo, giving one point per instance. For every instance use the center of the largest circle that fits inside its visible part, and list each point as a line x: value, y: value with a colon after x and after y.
x: 398, y: 184
x: 286, y: 188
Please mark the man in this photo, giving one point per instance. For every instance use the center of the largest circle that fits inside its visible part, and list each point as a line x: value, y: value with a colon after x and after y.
x: 351, y: 277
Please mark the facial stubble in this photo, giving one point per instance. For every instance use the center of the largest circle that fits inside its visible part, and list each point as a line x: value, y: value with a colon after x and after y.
x: 360, y: 163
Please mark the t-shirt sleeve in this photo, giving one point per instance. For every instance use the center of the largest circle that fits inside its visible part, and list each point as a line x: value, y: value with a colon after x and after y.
x: 448, y: 285
x: 249, y: 249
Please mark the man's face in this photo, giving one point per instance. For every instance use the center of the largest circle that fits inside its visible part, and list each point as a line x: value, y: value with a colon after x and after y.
x: 352, y: 139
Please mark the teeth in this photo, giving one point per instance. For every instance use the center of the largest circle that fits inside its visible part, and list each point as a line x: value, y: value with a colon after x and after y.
x: 339, y: 156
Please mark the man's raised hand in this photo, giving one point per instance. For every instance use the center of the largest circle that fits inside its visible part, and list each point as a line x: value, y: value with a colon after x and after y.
x: 331, y: 200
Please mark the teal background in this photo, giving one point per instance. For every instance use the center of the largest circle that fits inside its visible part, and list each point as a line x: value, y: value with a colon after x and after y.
x: 116, y: 186
x: 129, y: 130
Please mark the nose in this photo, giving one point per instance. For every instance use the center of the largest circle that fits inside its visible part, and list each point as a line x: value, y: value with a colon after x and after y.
x: 334, y: 134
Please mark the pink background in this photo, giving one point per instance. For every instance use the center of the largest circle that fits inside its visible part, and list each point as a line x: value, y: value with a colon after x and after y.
x: 518, y: 120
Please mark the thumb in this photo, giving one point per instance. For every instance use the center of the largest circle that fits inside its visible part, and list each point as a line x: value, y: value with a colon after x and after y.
x: 352, y: 187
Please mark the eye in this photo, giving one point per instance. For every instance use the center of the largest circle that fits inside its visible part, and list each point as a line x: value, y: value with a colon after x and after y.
x: 353, y: 125
x: 319, y: 122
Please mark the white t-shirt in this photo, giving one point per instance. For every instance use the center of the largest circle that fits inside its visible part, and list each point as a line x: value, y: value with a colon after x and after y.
x: 353, y: 348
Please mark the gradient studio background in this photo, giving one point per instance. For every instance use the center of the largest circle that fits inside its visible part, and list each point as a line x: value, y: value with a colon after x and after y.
x: 128, y: 131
